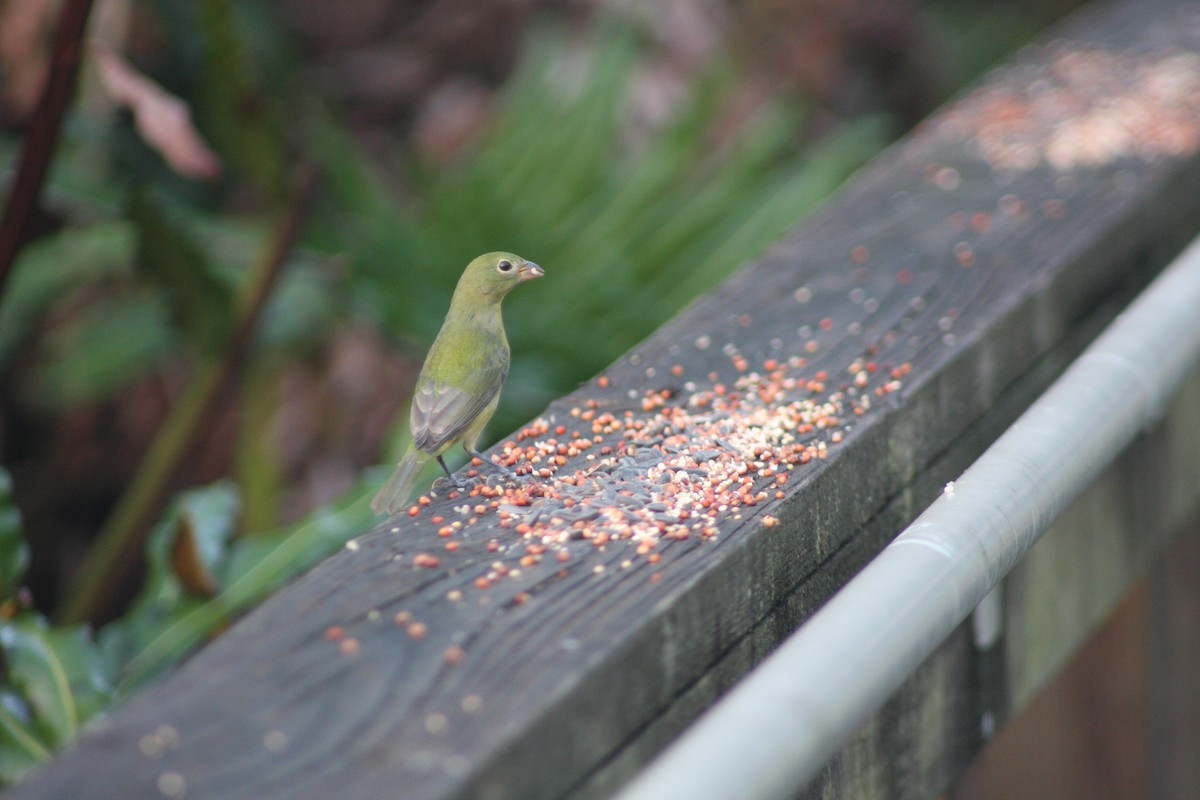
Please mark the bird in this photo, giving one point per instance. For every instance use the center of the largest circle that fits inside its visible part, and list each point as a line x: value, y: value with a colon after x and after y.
x: 458, y: 388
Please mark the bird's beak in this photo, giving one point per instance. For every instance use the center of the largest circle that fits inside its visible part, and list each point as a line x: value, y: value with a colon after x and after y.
x: 530, y: 271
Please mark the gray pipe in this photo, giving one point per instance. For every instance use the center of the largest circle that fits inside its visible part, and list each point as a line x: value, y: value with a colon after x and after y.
x: 774, y: 732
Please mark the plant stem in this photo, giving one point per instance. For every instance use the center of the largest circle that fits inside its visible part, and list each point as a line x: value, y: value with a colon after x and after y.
x: 164, y: 465
x: 42, y: 133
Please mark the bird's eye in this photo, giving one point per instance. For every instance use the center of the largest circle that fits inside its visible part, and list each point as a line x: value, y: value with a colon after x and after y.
x: 504, y: 266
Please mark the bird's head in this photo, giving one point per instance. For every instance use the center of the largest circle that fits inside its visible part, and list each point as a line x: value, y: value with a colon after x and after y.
x: 493, y: 275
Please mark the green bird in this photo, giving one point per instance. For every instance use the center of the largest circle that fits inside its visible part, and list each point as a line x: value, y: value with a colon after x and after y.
x: 458, y: 388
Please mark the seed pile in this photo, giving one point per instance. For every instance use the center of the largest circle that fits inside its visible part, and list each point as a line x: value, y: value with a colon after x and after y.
x: 1089, y: 108
x: 666, y: 468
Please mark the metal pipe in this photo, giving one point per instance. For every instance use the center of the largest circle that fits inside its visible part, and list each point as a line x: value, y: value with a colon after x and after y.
x: 774, y: 731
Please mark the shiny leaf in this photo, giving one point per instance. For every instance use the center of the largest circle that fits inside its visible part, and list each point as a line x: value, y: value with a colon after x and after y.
x: 14, y: 552
x: 20, y: 748
x: 39, y: 677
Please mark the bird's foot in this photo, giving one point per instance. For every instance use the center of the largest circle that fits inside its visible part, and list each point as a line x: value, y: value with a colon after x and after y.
x: 445, y: 484
x: 508, y: 474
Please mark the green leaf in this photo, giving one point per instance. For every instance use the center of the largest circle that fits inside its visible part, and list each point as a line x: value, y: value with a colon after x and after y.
x: 254, y: 567
x: 240, y: 120
x: 210, y: 513
x: 20, y: 749
x: 47, y: 269
x: 257, y: 459
x: 14, y: 552
x: 37, y: 675
x: 88, y: 672
x: 169, y: 257
x: 101, y: 349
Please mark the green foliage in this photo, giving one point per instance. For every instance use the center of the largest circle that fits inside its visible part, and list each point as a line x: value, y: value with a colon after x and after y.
x: 101, y: 349
x: 241, y: 120
x: 973, y: 37
x: 140, y: 290
x: 53, y: 680
x: 56, y: 679
x: 14, y: 553
x: 168, y: 257
x: 50, y: 268
x: 209, y: 517
x: 171, y: 616
x: 57, y: 675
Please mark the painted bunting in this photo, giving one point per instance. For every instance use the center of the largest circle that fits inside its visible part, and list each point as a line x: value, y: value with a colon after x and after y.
x: 459, y: 385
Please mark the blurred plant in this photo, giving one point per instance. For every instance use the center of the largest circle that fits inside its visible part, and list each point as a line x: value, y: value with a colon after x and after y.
x: 57, y: 678
x: 974, y: 37
x: 54, y: 678
x: 58, y: 81
x: 218, y: 327
x: 175, y: 296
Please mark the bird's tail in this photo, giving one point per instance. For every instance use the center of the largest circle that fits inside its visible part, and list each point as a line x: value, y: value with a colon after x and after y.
x: 394, y: 494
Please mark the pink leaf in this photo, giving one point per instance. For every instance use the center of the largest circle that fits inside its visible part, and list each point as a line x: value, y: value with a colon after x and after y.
x: 163, y: 120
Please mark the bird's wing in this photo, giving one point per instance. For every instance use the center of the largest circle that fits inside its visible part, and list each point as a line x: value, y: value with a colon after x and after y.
x: 441, y: 411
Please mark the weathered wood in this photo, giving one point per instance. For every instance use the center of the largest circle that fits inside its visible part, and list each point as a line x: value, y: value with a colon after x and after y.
x: 1173, y: 738
x: 1119, y: 719
x: 871, y: 353
x: 1043, y: 612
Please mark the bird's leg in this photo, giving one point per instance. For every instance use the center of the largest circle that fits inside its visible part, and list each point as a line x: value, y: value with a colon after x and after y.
x: 449, y: 475
x: 507, y: 472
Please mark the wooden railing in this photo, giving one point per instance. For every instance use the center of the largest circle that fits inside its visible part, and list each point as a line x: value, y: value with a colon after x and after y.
x: 696, y: 502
